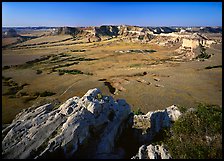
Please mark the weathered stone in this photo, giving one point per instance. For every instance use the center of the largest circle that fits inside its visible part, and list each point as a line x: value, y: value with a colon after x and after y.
x: 152, y: 152
x: 147, y: 126
x: 37, y: 133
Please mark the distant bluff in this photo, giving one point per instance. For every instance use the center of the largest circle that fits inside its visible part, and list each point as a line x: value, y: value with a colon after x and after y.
x: 10, y: 33
x: 111, y: 30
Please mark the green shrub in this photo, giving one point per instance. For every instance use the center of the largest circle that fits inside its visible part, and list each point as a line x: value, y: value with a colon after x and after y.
x: 38, y: 71
x: 187, y: 137
x: 13, y: 90
x: 24, y: 94
x: 37, y: 94
x: 215, y: 66
x: 61, y: 72
x: 138, y: 112
x: 47, y: 93
x: 29, y: 98
x: 135, y: 65
x: 6, y: 67
x: 70, y: 71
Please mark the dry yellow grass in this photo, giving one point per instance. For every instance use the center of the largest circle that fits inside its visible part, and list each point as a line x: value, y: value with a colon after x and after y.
x: 185, y: 83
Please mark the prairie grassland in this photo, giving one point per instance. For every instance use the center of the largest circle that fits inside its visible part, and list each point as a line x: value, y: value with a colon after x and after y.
x: 146, y: 81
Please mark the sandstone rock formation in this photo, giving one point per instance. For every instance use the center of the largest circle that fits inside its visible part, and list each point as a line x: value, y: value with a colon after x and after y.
x: 37, y: 133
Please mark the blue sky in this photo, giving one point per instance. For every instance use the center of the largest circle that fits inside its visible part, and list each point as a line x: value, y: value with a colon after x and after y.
x: 114, y: 13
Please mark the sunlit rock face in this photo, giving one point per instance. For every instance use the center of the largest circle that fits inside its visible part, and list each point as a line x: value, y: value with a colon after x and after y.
x: 43, y: 131
x: 148, y: 125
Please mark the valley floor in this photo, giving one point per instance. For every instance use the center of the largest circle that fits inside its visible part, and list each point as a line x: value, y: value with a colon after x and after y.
x: 148, y: 81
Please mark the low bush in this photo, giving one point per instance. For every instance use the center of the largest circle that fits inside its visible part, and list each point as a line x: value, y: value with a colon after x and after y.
x: 38, y: 71
x: 46, y: 93
x: 197, y: 134
x: 74, y: 71
x: 29, y: 98
x: 215, y: 66
x: 138, y: 112
x: 6, y: 67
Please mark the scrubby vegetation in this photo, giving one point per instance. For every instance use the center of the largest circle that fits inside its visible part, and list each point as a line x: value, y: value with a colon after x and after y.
x: 6, y: 67
x: 197, y: 134
x: 74, y: 71
x: 215, y: 66
x: 135, y: 65
x: 14, y: 87
x: 29, y: 98
x: 44, y: 94
x: 138, y: 112
x: 78, y: 50
x: 38, y: 71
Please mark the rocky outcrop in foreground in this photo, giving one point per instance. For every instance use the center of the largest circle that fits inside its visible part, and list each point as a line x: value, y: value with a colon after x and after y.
x: 36, y: 133
x: 87, y: 127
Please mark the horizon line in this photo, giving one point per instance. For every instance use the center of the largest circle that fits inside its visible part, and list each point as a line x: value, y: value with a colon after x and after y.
x: 125, y: 25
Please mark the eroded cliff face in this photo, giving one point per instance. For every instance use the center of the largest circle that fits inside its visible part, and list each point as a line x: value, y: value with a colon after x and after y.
x: 89, y: 127
x: 186, y: 42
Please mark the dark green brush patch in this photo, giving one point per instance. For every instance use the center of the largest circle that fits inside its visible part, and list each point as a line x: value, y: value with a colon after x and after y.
x: 6, y: 67
x: 215, y: 66
x: 141, y: 51
x: 29, y: 98
x: 63, y: 55
x: 84, y: 59
x: 24, y: 84
x: 74, y: 71
x: 102, y: 79
x: 135, y: 65
x: 13, y: 87
x: 38, y: 71
x: 24, y: 94
x: 44, y: 94
x: 61, y: 72
x: 196, y: 134
x: 13, y: 90
x: 64, y: 65
x: 82, y: 50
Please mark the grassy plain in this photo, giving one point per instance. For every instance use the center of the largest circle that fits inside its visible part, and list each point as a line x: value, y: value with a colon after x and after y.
x: 148, y: 81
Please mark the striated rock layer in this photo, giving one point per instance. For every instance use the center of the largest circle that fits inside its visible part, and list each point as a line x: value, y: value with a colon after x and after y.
x: 37, y: 133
